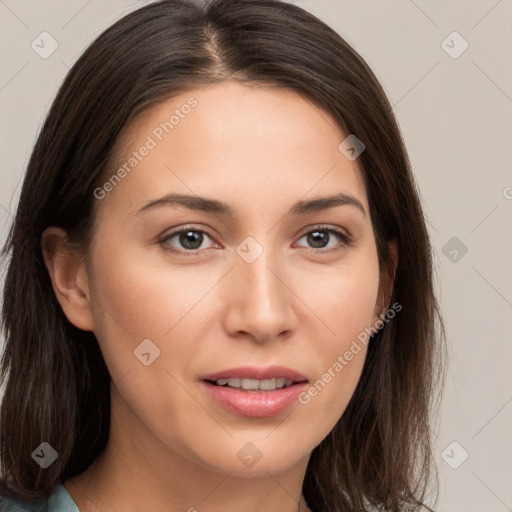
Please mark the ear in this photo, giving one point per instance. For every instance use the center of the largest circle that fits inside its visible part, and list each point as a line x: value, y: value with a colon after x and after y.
x: 69, y: 277
x: 387, y: 280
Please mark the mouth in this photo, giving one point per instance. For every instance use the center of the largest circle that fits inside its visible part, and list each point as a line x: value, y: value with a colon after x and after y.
x: 247, y: 384
x: 255, y: 392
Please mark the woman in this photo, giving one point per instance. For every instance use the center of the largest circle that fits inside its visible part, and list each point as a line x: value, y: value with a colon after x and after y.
x: 220, y: 292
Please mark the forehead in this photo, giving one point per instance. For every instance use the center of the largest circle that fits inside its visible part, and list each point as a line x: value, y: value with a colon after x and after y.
x: 235, y: 142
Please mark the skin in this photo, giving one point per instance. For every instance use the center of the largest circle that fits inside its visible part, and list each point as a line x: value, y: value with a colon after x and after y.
x: 260, y: 150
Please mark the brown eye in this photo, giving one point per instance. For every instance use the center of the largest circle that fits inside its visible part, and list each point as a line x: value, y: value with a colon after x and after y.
x: 186, y: 240
x: 319, y: 239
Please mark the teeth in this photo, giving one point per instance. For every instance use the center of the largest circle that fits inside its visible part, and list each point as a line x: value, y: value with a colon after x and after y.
x: 267, y: 384
x: 235, y: 383
x: 254, y: 384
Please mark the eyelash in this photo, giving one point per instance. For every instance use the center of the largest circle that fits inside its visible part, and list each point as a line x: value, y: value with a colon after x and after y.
x: 346, y: 241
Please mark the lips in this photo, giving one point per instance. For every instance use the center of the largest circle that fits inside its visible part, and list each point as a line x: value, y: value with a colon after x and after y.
x: 248, y: 401
x: 257, y: 373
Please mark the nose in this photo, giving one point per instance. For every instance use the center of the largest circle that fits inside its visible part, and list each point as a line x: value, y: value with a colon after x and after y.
x: 259, y: 300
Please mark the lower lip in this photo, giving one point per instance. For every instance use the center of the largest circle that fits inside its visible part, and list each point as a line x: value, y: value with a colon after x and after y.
x: 254, y: 404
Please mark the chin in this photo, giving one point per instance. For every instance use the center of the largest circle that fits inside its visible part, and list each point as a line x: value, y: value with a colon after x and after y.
x: 248, y: 460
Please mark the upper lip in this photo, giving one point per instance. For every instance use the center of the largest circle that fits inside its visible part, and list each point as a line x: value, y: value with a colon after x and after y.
x: 257, y: 373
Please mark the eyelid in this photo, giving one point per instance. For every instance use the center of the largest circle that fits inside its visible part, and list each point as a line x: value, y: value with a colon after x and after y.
x: 324, y: 227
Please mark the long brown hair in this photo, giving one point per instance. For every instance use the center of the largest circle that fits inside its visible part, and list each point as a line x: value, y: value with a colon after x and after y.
x: 379, y: 453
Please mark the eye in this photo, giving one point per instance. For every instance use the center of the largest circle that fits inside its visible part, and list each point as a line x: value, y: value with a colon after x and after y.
x: 320, y: 236
x: 190, y: 239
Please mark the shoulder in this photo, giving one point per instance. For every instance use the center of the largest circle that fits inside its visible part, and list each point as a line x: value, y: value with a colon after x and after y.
x: 60, y: 501
x: 14, y: 505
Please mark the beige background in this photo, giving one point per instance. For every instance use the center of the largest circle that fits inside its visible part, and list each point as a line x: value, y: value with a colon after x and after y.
x: 456, y: 119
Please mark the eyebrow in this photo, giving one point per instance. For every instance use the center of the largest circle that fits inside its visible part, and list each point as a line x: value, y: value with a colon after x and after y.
x: 218, y: 207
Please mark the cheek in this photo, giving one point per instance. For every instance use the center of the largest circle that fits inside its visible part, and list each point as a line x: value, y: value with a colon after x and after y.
x: 344, y: 298
x: 345, y: 303
x: 133, y: 300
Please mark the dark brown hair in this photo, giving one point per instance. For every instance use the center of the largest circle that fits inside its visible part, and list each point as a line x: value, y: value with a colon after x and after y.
x: 56, y: 383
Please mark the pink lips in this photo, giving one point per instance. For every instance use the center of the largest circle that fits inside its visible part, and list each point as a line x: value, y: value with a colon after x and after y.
x: 255, y: 403
x: 259, y: 373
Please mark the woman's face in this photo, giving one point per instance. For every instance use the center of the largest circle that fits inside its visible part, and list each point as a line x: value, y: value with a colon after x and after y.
x: 265, y: 284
